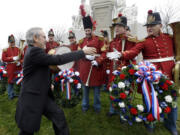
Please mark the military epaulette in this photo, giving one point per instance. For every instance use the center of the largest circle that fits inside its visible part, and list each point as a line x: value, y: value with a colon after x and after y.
x: 139, y: 41
x: 5, y: 49
x: 132, y: 39
x: 104, y: 47
x: 79, y: 48
x: 101, y: 38
x: 81, y: 41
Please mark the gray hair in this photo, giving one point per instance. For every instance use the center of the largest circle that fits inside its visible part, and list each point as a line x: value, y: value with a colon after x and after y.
x: 31, y: 33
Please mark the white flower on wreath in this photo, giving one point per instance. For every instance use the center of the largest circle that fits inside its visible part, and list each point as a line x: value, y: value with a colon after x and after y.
x: 121, y: 85
x: 126, y: 92
x: 124, y: 67
x: 136, y: 67
x: 121, y: 104
x: 60, y: 73
x: 160, y: 110
x: 138, y: 119
x: 71, y: 80
x: 122, y: 117
x: 78, y: 86
x: 168, y: 99
x: 110, y: 89
x: 140, y: 108
x: 4, y: 72
x: 115, y: 72
x: 127, y: 83
x: 77, y: 73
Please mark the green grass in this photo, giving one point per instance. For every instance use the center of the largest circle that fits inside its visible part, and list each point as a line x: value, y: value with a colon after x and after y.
x: 79, y: 123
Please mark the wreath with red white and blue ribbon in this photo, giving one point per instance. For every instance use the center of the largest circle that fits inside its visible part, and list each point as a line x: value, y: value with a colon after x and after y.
x: 156, y: 98
x: 68, y: 87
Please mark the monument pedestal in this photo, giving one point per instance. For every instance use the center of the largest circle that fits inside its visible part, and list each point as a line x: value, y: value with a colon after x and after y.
x: 103, y: 11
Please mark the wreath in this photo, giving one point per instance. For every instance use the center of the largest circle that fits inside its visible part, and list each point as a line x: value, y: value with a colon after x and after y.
x: 141, y: 93
x: 3, y: 72
x: 3, y: 79
x: 67, y: 91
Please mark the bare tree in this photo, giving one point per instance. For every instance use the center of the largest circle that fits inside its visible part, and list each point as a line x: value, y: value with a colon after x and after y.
x: 169, y: 11
x: 19, y: 36
x: 59, y: 33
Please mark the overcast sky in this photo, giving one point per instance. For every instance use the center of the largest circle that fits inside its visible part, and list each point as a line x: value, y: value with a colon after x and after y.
x: 19, y: 15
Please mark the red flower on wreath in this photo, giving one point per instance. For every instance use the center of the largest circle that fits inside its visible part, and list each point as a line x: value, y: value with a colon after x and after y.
x: 4, y: 75
x: 57, y: 79
x: 150, y: 117
x: 122, y: 76
x: 112, y: 98
x: 168, y: 82
x: 167, y: 109
x: 112, y: 78
x: 133, y: 111
x: 76, y: 81
x: 131, y: 71
x: 164, y: 86
x: 123, y: 95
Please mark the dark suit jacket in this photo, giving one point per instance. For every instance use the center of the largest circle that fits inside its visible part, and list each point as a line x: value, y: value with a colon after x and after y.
x: 36, y: 85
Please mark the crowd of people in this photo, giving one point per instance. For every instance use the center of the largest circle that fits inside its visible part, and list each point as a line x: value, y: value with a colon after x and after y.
x: 96, y: 58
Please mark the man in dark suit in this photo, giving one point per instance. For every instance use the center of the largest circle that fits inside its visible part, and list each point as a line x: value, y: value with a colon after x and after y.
x: 35, y: 98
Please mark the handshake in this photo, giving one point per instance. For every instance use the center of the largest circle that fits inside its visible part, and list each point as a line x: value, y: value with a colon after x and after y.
x: 90, y: 54
x: 114, y: 55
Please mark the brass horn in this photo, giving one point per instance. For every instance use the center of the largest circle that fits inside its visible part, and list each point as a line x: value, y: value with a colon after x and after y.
x: 21, y: 43
x: 112, y: 32
x: 176, y: 38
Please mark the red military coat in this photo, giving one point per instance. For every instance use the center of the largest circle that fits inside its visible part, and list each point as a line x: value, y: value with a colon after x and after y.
x: 7, y: 57
x: 51, y: 45
x: 74, y: 47
x: 117, y: 44
x: 155, y: 48
x: 96, y: 78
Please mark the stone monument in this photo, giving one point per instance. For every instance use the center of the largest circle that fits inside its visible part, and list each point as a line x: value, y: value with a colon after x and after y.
x: 102, y: 12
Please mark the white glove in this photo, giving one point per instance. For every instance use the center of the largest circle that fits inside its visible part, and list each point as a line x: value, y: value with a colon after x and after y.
x: 15, y: 58
x: 18, y: 64
x: 108, y: 71
x: 114, y: 55
x: 90, y: 57
x: 94, y: 63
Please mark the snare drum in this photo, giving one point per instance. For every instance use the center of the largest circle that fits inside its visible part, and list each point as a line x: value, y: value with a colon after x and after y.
x: 59, y: 51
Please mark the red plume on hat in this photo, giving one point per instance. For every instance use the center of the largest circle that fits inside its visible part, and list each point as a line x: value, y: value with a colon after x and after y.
x: 94, y: 25
x: 83, y: 12
x: 119, y: 15
x: 150, y: 11
x: 70, y: 31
